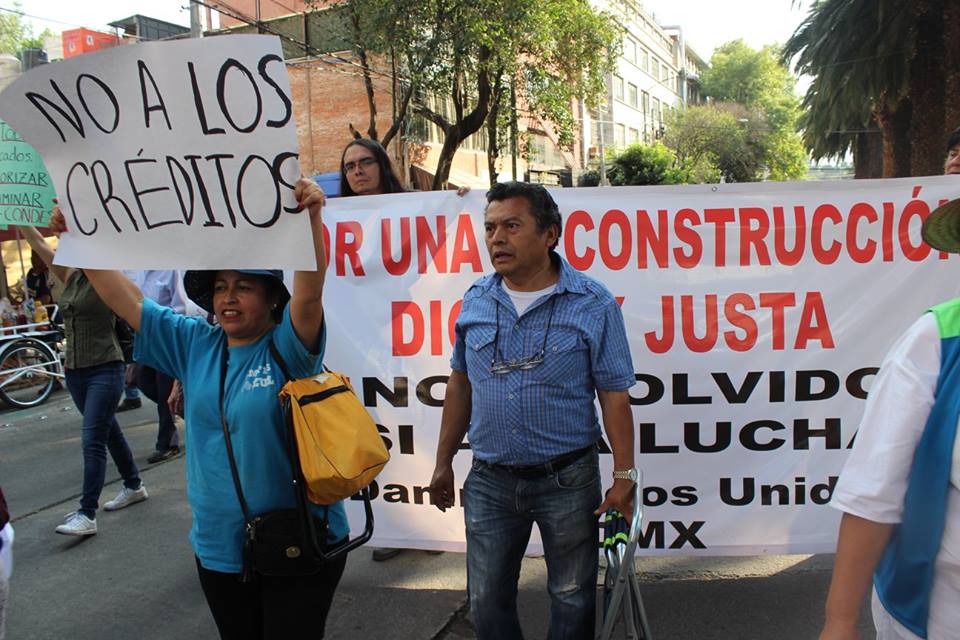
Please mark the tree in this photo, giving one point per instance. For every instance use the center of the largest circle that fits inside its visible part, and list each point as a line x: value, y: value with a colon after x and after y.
x: 473, y: 53
x: 880, y: 65
x: 16, y: 33
x: 712, y: 141
x: 642, y: 164
x: 757, y: 88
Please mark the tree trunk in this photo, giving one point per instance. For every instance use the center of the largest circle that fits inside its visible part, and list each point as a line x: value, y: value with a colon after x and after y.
x: 895, y: 127
x: 951, y: 66
x: 451, y: 142
x: 493, y: 146
x: 493, y: 138
x: 868, y: 155
x: 466, y: 125
x: 927, y: 89
x: 367, y: 80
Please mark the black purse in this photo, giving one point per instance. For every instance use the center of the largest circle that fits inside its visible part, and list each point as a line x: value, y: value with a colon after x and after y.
x: 285, y: 542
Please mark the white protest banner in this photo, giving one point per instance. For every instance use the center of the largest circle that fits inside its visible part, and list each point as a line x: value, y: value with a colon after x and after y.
x: 169, y: 154
x: 757, y: 316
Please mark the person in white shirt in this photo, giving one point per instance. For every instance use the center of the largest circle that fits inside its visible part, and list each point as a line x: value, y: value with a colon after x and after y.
x: 900, y: 488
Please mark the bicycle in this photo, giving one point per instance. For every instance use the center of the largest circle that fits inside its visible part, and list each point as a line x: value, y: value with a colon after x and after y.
x: 30, y: 362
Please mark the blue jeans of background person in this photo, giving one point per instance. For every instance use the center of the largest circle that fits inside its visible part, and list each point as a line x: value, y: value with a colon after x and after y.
x: 499, y: 510
x: 96, y: 391
x: 156, y: 385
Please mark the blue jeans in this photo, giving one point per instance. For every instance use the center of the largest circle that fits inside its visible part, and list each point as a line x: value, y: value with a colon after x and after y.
x: 96, y: 392
x: 499, y: 510
x: 156, y: 385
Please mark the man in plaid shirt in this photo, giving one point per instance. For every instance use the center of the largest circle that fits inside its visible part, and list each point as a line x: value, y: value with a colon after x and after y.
x: 536, y: 342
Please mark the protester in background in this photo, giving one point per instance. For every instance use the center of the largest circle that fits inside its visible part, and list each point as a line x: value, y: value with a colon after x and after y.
x: 253, y: 308
x: 900, y: 488
x: 536, y: 343
x: 38, y: 285
x: 166, y: 289
x: 951, y: 166
x: 365, y: 170
x: 131, y: 394
x: 6, y: 561
x: 94, y: 373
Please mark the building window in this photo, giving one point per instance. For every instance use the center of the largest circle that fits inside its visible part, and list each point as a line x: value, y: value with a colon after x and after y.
x: 645, y: 106
x: 663, y: 72
x: 634, y: 136
x: 655, y: 115
x: 630, y: 50
x: 644, y: 60
x: 618, y: 87
x: 632, y: 95
x: 619, y: 136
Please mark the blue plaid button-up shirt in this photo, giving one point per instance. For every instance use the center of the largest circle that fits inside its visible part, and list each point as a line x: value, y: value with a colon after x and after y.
x: 530, y: 416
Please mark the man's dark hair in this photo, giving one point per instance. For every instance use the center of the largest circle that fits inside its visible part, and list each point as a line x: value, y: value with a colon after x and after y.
x: 389, y: 182
x: 542, y: 207
x: 954, y: 139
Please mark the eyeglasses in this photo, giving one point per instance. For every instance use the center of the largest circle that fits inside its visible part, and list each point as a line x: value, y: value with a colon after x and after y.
x: 502, y: 366
x: 363, y: 163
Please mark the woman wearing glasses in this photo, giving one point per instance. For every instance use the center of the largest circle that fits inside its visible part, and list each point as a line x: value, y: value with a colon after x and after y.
x: 365, y: 170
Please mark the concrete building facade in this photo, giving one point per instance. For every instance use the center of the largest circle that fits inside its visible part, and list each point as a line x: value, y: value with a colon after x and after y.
x: 656, y: 72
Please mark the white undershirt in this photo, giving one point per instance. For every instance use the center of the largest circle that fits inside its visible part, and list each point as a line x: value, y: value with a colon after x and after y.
x: 523, y: 299
x: 874, y: 481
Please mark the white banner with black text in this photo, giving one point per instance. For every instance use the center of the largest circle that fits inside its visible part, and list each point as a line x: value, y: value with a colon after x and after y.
x: 757, y: 315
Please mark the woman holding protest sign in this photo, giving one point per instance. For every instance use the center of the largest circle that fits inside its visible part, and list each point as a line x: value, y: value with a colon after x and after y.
x: 94, y: 373
x: 231, y: 380
x: 900, y: 489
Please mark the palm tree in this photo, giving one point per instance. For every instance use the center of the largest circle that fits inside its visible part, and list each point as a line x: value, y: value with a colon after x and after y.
x: 884, y: 63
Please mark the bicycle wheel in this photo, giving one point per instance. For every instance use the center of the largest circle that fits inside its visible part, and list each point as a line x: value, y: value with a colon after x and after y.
x: 26, y: 373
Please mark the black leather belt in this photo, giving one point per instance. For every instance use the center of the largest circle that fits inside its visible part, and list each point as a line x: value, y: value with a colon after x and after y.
x: 542, y: 470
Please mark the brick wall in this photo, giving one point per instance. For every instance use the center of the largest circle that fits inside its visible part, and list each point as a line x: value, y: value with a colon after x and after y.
x: 326, y: 100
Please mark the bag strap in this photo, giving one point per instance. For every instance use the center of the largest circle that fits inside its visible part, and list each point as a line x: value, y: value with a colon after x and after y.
x: 280, y: 361
x: 226, y: 434
x: 299, y: 482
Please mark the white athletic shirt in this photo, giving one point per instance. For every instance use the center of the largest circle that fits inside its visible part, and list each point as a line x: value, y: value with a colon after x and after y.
x: 874, y: 481
x: 523, y: 299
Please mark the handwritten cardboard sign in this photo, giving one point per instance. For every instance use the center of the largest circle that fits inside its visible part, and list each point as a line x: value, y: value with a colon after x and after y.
x: 170, y: 154
x: 26, y: 192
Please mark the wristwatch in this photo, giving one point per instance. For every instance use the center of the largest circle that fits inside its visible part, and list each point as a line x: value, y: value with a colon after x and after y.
x: 627, y: 474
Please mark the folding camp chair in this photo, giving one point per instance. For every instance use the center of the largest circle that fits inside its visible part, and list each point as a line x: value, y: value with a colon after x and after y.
x: 621, y: 588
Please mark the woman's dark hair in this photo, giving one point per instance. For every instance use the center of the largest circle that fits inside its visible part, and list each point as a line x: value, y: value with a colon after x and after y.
x: 954, y: 139
x: 274, y: 294
x: 389, y: 182
x: 542, y: 206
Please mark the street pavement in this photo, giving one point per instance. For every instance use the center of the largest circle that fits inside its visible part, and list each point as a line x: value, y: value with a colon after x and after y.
x: 136, y: 579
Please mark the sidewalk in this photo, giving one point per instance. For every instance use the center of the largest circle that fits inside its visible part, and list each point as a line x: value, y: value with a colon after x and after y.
x: 136, y: 579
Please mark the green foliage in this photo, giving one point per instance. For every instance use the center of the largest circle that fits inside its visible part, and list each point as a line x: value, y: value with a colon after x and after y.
x: 711, y: 139
x: 858, y: 53
x: 749, y: 132
x: 16, y: 33
x: 641, y: 164
x: 553, y: 50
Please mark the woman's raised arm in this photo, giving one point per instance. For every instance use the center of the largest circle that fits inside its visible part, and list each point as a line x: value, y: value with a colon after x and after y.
x: 115, y: 289
x: 306, y: 304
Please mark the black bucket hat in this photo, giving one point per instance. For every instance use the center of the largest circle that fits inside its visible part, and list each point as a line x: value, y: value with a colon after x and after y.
x: 199, y: 285
x: 941, y: 229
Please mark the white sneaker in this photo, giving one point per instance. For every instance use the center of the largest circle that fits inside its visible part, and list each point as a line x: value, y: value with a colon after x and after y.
x: 77, y: 524
x: 127, y: 497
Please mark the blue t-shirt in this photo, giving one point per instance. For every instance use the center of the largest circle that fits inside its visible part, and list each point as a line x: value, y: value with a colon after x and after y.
x: 190, y: 349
